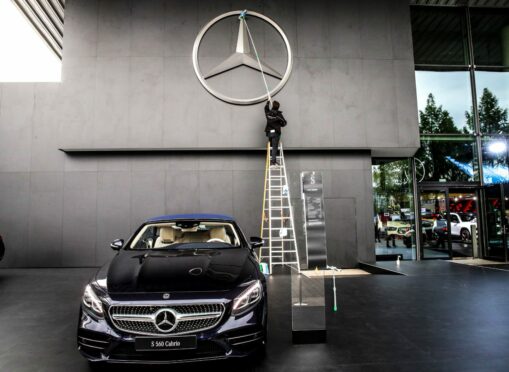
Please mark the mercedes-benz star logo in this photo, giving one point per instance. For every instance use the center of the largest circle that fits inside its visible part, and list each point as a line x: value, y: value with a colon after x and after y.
x: 241, y: 57
x: 165, y: 320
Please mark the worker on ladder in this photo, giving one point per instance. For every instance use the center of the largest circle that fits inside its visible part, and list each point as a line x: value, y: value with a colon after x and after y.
x: 275, y: 121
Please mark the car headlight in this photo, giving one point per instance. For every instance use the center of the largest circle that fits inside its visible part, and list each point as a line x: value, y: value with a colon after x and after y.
x: 92, y: 302
x: 249, y: 297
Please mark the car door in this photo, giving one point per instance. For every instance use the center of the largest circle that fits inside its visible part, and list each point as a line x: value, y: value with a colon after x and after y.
x: 455, y: 224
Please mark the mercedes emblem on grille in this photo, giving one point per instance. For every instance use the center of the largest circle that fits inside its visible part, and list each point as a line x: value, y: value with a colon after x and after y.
x: 166, y: 296
x: 165, y: 320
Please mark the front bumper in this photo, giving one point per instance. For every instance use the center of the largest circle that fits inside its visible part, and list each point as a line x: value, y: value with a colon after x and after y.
x: 234, y: 337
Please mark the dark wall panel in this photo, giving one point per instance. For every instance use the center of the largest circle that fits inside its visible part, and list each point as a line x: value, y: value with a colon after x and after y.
x: 128, y: 82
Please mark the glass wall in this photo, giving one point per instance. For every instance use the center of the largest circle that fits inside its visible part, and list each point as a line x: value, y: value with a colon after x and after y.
x: 394, y: 214
x: 447, y: 159
x: 462, y: 79
x: 439, y: 36
x: 443, y: 99
x: 495, y: 160
x: 451, y: 62
x: 490, y: 37
x: 492, y: 91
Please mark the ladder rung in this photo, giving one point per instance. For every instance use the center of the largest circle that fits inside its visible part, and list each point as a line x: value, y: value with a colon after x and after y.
x: 283, y: 252
x: 288, y: 229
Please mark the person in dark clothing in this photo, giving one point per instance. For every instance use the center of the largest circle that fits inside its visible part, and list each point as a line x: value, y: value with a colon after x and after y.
x: 275, y: 121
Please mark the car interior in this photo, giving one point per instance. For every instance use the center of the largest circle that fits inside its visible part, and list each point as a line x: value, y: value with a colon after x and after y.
x: 163, y: 235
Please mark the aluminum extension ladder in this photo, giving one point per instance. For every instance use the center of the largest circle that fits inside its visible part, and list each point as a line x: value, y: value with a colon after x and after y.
x: 277, y: 230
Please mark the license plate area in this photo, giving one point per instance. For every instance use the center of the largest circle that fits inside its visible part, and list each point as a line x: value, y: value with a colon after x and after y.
x: 165, y: 343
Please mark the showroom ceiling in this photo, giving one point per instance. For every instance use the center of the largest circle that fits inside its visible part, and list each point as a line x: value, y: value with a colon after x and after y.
x: 47, y: 17
x: 473, y: 3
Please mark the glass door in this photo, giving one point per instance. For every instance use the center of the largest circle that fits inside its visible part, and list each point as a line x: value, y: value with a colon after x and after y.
x: 435, y: 223
x: 496, y: 222
x: 463, y: 215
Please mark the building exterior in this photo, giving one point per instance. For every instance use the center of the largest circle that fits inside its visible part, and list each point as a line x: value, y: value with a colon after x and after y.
x: 459, y: 188
x: 128, y: 84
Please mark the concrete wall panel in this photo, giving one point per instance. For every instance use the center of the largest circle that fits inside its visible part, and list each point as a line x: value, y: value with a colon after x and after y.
x: 79, y: 219
x: 111, y: 124
x: 146, y: 101
x: 148, y: 196
x: 16, y: 121
x: 14, y: 213
x: 182, y: 191
x: 45, y: 219
x: 181, y: 18
x: 148, y: 28
x: 114, y: 28
x: 128, y: 81
x: 113, y: 212
x: 81, y: 38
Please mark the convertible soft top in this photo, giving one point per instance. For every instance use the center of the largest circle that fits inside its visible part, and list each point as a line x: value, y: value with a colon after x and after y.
x: 197, y: 216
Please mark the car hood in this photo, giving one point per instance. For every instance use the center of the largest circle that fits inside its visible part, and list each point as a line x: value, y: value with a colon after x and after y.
x: 183, y: 270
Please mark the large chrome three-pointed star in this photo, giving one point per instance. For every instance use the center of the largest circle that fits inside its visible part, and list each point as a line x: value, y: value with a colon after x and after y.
x: 242, y: 57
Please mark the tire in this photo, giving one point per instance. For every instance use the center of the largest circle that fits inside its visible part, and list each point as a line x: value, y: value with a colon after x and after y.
x: 465, y: 235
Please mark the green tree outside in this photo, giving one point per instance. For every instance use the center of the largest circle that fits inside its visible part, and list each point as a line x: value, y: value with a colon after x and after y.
x: 434, y: 119
x: 492, y: 117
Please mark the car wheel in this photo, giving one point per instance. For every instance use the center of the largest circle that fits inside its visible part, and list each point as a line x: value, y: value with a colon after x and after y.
x: 465, y: 235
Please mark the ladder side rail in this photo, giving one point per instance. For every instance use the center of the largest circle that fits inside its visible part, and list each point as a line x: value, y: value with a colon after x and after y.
x: 270, y: 218
x: 264, y: 196
x: 290, y: 208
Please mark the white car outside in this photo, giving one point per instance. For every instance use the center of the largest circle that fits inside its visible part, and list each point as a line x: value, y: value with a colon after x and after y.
x: 461, y: 225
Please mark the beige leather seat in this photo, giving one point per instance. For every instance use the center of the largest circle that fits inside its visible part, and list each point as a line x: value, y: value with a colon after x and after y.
x: 166, y: 236
x: 220, y: 233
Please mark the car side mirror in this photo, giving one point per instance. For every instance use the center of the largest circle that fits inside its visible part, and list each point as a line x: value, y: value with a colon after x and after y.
x: 255, y: 242
x: 117, y: 244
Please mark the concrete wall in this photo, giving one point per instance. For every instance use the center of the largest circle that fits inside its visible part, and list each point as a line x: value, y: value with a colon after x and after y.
x: 128, y: 82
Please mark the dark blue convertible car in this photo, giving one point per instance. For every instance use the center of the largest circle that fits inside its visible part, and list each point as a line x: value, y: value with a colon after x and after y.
x: 182, y: 288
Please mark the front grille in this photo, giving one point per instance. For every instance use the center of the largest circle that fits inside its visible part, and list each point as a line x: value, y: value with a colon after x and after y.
x: 140, y: 319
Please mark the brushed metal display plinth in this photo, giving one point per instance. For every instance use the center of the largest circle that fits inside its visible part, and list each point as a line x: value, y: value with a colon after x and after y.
x: 308, y: 309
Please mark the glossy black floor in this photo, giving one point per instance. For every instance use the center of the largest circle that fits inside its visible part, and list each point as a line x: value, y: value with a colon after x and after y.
x: 439, y: 317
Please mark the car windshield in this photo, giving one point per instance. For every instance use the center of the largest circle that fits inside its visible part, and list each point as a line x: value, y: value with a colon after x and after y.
x: 468, y: 217
x: 186, y: 234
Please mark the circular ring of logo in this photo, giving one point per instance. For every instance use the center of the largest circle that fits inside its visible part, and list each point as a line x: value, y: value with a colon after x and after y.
x: 241, y: 101
x: 165, y: 320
